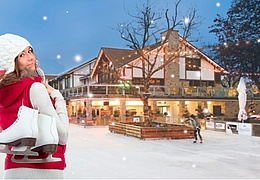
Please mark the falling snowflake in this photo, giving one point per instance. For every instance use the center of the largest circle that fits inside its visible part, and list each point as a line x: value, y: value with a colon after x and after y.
x: 218, y: 4
x: 186, y: 20
x: 124, y: 158
x: 78, y: 58
x: 58, y: 56
x: 44, y: 18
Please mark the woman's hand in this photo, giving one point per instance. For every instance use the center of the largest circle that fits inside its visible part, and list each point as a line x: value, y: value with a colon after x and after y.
x: 49, y: 88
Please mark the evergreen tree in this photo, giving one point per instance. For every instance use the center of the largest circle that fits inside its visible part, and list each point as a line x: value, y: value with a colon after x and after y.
x: 238, y: 50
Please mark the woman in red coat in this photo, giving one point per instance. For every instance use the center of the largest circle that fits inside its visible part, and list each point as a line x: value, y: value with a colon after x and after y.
x: 21, y: 85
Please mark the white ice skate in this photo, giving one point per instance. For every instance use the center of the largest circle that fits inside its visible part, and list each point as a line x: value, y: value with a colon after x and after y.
x: 22, y: 133
x: 46, y: 142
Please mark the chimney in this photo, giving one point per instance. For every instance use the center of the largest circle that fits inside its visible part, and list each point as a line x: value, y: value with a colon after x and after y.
x: 172, y: 37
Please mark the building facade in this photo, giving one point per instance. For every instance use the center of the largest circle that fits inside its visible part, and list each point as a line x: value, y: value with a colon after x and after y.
x: 109, y: 86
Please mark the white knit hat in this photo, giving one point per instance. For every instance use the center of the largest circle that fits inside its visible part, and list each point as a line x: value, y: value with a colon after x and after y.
x: 10, y: 46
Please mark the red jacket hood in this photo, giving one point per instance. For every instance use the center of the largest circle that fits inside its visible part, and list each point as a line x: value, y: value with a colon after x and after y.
x: 11, y: 93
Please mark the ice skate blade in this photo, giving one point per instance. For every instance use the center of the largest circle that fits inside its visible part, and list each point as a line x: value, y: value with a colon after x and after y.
x: 48, y: 148
x: 26, y: 152
x: 27, y: 160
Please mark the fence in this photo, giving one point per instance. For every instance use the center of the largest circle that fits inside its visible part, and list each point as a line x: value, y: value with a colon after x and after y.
x: 97, y: 90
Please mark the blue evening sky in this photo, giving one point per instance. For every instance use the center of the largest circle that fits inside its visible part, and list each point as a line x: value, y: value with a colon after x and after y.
x: 66, y: 33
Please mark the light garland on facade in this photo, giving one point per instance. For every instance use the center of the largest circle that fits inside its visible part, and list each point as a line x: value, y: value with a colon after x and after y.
x: 194, y: 53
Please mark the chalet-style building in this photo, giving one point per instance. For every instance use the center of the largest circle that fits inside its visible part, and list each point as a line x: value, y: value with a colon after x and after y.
x: 190, y: 83
x: 75, y: 77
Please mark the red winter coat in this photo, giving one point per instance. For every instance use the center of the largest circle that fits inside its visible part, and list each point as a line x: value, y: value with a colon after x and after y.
x: 11, y: 97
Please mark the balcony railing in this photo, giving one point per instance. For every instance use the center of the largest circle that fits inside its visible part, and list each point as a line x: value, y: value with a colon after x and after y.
x: 99, y: 90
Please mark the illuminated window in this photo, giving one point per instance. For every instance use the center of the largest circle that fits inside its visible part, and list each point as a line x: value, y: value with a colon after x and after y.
x: 192, y: 64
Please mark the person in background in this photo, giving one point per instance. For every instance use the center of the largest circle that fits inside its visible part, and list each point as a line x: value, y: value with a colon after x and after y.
x: 196, y: 128
x: 21, y: 84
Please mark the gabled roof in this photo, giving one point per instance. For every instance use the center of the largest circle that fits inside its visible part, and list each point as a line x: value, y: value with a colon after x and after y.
x: 204, y: 55
x: 75, y: 68
x: 116, y: 56
x: 121, y: 57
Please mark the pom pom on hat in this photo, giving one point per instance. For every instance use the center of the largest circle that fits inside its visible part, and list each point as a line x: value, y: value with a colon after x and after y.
x: 10, y: 46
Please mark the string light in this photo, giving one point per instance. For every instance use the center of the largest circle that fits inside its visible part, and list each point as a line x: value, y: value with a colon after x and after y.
x: 230, y: 44
x: 244, y: 74
x: 190, y: 52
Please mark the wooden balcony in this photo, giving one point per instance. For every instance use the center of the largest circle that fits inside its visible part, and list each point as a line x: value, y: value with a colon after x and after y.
x: 173, y: 92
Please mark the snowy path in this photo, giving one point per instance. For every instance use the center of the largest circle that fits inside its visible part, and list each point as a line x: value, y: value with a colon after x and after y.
x: 95, y: 153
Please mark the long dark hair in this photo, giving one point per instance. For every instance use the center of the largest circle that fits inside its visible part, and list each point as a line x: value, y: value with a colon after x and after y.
x: 16, y: 75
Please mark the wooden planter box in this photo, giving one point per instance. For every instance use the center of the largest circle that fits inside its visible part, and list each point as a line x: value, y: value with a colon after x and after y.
x: 137, y: 130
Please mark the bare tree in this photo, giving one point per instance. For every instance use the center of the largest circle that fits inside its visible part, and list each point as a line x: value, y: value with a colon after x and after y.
x: 141, y: 35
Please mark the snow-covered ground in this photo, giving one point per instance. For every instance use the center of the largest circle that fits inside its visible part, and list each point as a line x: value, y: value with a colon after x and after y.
x: 95, y: 153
